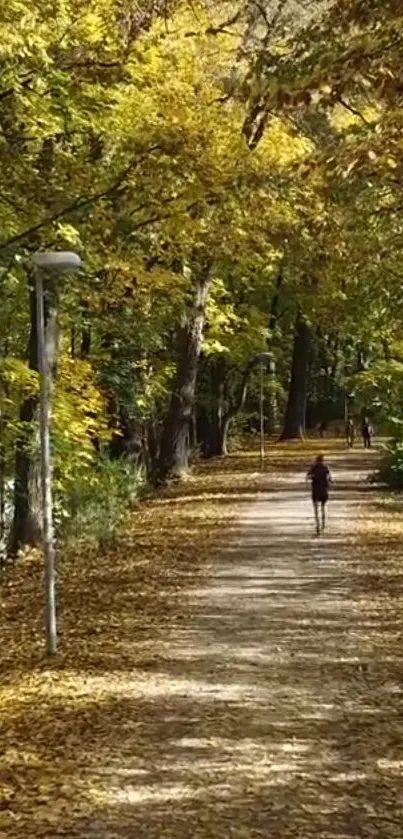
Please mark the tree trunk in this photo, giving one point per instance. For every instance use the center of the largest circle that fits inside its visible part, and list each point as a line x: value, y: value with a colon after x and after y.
x: 27, y: 522
x: 213, y: 433
x: 214, y: 420
x: 294, y: 422
x: 211, y: 397
x: 153, y: 442
x: 173, y: 459
x: 222, y: 440
x: 85, y: 348
x: 237, y: 406
x: 214, y: 425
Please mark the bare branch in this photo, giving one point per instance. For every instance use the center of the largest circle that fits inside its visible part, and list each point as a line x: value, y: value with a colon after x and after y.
x: 221, y: 27
x: 352, y: 110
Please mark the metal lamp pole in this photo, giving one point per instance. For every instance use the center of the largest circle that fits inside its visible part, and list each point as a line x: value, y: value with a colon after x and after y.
x: 262, y: 358
x: 261, y: 416
x: 51, y: 263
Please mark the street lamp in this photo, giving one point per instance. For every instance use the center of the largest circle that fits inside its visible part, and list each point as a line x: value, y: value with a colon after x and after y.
x: 263, y: 359
x: 348, y: 397
x: 50, y: 264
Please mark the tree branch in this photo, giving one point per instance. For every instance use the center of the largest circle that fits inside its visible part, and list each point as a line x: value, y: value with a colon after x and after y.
x: 386, y: 210
x: 352, y: 110
x: 221, y: 27
x: 27, y: 79
x: 13, y: 204
x: 243, y: 389
x: 275, y: 301
x: 77, y: 204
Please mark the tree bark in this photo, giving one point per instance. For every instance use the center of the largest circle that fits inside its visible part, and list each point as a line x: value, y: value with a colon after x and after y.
x: 211, y: 398
x: 173, y: 458
x: 213, y: 435
x: 222, y: 438
x: 85, y: 348
x: 236, y: 407
x: 294, y: 422
x: 214, y: 425
x: 27, y: 522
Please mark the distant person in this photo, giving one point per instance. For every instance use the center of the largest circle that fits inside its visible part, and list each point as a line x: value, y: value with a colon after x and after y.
x: 350, y: 433
x: 367, y: 433
x: 320, y: 478
x: 322, y: 429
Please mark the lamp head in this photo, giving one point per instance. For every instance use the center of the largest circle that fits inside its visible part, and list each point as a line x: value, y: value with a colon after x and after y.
x: 57, y: 262
x: 263, y: 357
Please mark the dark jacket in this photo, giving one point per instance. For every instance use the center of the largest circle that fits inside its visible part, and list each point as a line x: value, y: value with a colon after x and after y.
x: 319, y: 475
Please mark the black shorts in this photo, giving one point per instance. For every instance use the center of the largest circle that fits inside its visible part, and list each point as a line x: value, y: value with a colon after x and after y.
x: 319, y: 497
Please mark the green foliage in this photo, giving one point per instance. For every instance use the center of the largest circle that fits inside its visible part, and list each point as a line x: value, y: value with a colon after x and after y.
x: 145, y: 138
x: 98, y: 503
x: 391, y: 470
x: 17, y: 382
x: 379, y: 391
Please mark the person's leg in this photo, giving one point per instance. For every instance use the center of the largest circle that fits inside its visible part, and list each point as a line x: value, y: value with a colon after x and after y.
x: 316, y: 514
x: 323, y: 515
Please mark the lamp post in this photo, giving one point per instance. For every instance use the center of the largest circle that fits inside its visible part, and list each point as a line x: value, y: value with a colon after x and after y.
x: 348, y: 398
x: 261, y: 416
x: 50, y: 264
x: 273, y: 398
x: 263, y: 358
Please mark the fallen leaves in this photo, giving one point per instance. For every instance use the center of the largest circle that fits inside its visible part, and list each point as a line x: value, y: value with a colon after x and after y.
x: 209, y: 683
x: 114, y: 612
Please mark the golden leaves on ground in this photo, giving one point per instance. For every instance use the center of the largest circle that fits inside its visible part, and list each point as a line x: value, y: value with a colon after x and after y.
x: 214, y: 680
x: 61, y: 720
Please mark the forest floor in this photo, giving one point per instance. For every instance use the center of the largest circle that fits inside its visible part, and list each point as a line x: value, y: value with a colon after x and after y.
x: 224, y: 674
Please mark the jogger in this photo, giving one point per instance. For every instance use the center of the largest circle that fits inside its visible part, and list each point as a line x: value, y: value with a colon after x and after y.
x: 320, y: 478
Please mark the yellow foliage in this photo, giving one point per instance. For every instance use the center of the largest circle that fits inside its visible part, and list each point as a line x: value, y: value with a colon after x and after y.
x: 79, y: 418
x: 17, y: 380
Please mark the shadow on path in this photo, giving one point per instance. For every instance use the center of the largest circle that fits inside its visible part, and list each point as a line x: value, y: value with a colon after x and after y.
x: 274, y: 709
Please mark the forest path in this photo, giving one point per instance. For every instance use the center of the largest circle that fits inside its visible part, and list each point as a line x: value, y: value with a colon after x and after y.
x: 276, y: 708
x: 215, y: 680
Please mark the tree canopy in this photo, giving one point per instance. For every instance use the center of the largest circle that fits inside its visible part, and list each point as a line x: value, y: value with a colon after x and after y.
x: 230, y: 174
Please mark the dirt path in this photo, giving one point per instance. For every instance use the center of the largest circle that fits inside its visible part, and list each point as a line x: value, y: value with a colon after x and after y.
x: 260, y: 696
x: 276, y: 709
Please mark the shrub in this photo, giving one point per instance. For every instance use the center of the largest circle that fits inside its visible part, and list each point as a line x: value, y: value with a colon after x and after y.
x: 97, y: 507
x: 391, y: 470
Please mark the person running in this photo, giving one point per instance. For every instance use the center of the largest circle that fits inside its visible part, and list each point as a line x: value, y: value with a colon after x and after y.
x: 350, y: 433
x: 320, y: 478
x: 366, y: 433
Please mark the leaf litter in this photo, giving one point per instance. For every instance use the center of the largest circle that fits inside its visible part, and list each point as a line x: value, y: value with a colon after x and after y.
x: 186, y: 702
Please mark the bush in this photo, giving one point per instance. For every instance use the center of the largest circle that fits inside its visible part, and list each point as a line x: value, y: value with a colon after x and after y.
x: 97, y: 507
x: 391, y: 470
